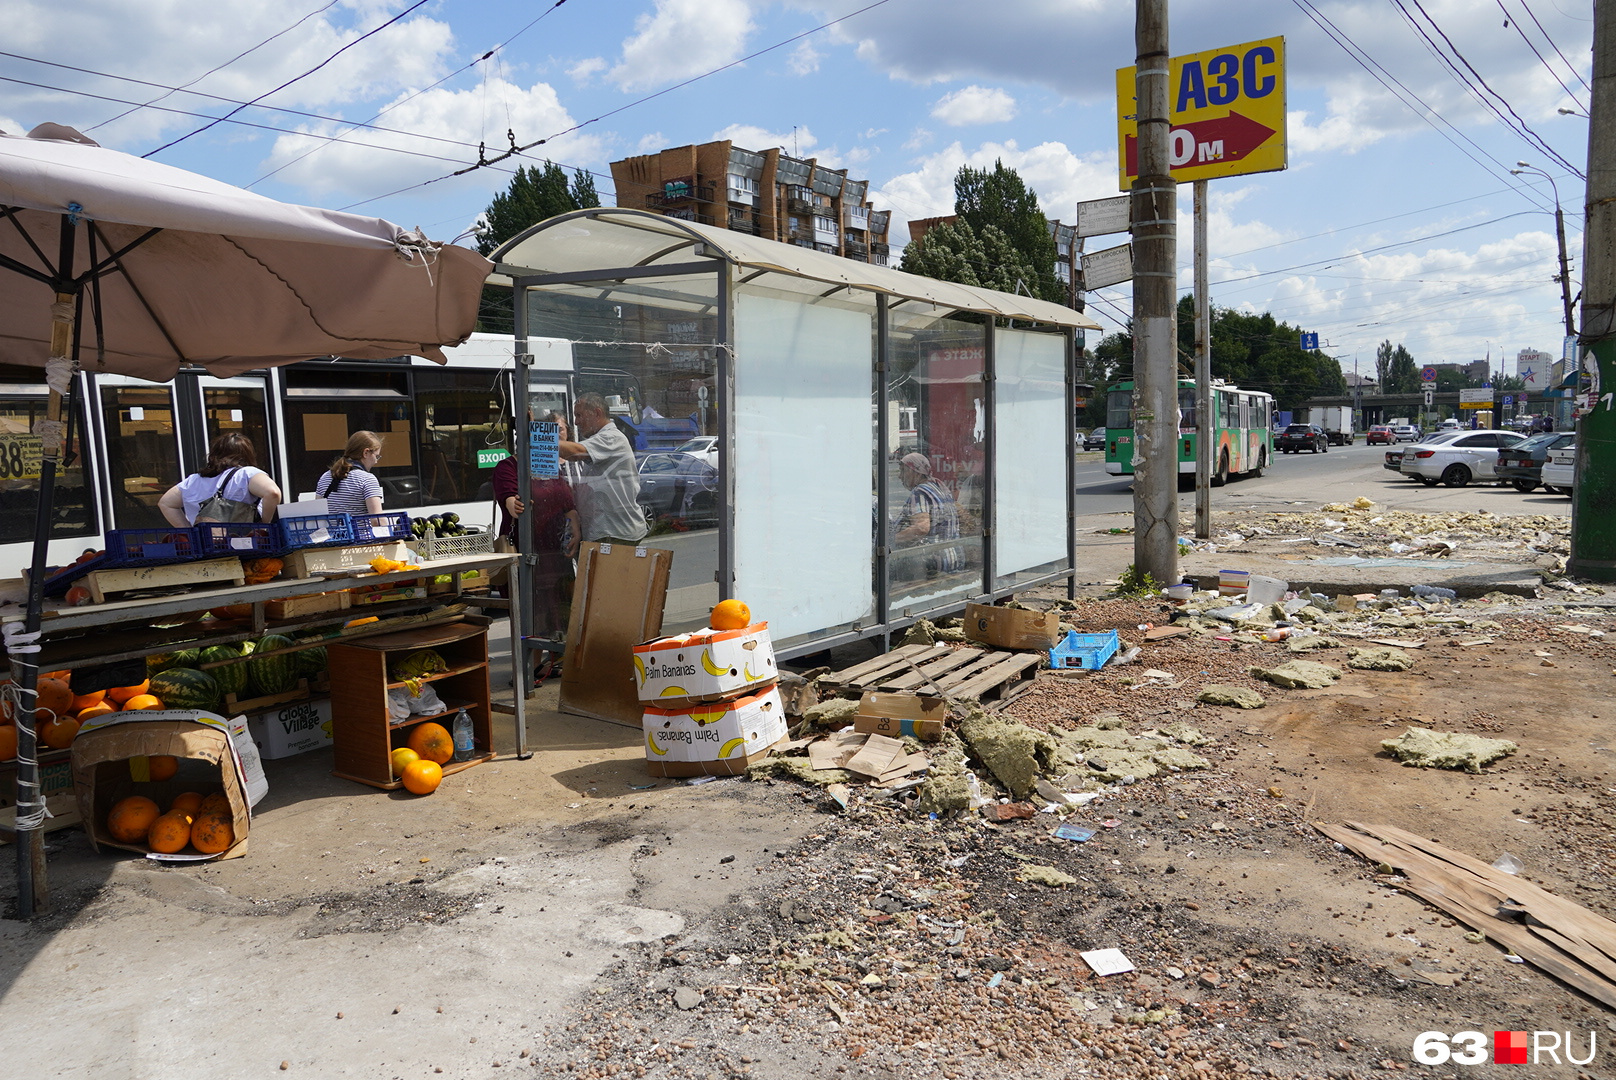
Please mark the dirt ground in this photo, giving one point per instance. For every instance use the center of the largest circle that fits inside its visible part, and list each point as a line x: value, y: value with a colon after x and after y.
x: 570, y: 915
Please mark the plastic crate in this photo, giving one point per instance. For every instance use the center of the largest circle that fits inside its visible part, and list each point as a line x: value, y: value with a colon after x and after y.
x: 316, y: 530
x: 59, y: 582
x: 453, y: 547
x: 242, y: 538
x: 152, y: 547
x: 377, y: 528
x: 1088, y: 652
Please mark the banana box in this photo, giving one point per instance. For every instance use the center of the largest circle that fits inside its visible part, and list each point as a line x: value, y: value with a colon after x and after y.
x: 708, y: 665
x: 720, y: 738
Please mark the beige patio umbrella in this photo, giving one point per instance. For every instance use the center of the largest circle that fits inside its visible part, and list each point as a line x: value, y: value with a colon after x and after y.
x: 118, y: 264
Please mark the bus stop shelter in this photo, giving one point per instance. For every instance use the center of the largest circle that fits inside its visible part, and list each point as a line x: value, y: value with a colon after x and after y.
x: 819, y: 379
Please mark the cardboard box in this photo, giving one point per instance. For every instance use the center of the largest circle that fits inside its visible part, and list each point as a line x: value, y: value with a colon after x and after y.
x: 362, y: 597
x: 714, y: 739
x: 292, y: 729
x: 1011, y: 628
x: 296, y: 607
x: 55, y: 776
x: 102, y: 773
x: 919, y: 716
x: 709, y: 665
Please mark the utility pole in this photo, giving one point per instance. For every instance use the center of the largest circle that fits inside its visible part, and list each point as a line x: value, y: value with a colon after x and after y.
x: 1205, y: 429
x: 1593, y: 526
x: 1153, y: 215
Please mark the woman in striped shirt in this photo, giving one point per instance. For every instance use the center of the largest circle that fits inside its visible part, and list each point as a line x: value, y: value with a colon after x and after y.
x: 349, y: 487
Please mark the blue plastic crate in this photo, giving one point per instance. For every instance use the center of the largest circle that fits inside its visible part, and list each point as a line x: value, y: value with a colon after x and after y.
x: 59, y: 582
x: 244, y: 538
x: 316, y: 530
x: 374, y: 528
x: 1086, y: 651
x: 152, y: 547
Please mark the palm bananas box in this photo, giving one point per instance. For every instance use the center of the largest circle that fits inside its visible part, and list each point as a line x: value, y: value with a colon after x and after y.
x: 708, y: 665
x: 719, y: 738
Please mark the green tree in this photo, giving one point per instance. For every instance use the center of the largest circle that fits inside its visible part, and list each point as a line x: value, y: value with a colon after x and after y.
x: 1005, y: 243
x: 1395, y: 369
x: 535, y: 194
x: 1259, y: 352
x: 955, y: 251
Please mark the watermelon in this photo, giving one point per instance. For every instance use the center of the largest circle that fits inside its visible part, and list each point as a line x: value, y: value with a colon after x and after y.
x: 160, y: 662
x: 232, y: 678
x: 272, y: 674
x: 187, y: 658
x: 186, y: 688
x: 311, y: 661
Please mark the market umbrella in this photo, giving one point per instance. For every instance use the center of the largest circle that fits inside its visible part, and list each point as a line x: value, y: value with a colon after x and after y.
x: 118, y: 264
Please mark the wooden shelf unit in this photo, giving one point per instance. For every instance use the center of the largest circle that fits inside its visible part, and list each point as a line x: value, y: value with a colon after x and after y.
x: 363, y: 738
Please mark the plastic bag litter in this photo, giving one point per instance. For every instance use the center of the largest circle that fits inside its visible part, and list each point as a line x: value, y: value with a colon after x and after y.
x: 427, y: 702
x: 398, y: 706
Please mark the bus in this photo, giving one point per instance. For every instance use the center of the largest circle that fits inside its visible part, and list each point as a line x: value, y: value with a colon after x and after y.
x: 1243, y: 428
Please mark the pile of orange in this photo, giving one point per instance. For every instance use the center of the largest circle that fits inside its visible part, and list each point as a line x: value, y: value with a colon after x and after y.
x: 58, y: 711
x: 203, y: 823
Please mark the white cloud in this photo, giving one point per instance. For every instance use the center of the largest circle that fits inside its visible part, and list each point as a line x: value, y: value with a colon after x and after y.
x: 975, y: 105
x: 918, y: 138
x: 798, y: 141
x: 650, y: 144
x: 804, y: 59
x: 585, y: 70
x: 682, y: 38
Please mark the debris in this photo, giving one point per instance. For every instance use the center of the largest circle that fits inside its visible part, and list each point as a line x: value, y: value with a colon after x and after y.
x: 1238, y: 696
x: 1007, y: 747
x: 1038, y: 874
x: 1299, y: 675
x: 1074, y: 832
x: 1107, y: 961
x: 687, y: 998
x: 835, y: 713
x: 1311, y: 642
x: 840, y: 792
x: 1009, y: 811
x: 1384, y: 658
x: 1187, y: 734
x: 1508, y: 863
x: 1421, y: 748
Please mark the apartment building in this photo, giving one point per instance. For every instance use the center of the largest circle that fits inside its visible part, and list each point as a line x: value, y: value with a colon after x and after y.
x: 767, y: 193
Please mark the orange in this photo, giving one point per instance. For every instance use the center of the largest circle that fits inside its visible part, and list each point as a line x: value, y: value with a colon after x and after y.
x: 8, y: 742
x: 188, y: 803
x: 59, y: 676
x: 212, y: 833
x: 432, y: 742
x: 144, y: 701
x: 130, y: 819
x: 730, y: 615
x: 215, y: 803
x: 84, y: 701
x: 58, y: 734
x: 162, y: 766
x: 401, y: 758
x: 169, y: 833
x: 120, y: 694
x: 54, y: 697
x: 96, y: 710
x: 422, y: 777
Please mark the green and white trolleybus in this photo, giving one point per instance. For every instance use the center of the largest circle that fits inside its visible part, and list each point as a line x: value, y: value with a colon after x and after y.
x: 1242, y: 428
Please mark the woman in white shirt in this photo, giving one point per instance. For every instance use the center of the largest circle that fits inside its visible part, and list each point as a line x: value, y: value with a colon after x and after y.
x: 349, y: 487
x: 231, y: 472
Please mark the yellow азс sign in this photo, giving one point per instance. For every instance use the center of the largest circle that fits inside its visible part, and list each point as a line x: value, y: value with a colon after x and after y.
x: 1227, y: 108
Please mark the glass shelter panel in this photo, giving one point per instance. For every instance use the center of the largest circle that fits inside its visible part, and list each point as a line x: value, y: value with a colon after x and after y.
x: 1030, y: 499
x: 143, y: 453
x: 934, y: 512
x: 647, y: 348
x: 804, y: 449
x: 24, y: 399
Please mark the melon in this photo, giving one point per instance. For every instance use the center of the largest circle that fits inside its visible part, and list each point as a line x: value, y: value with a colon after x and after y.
x: 186, y: 658
x: 161, y: 662
x: 311, y: 661
x: 272, y: 674
x: 186, y: 688
x: 232, y: 678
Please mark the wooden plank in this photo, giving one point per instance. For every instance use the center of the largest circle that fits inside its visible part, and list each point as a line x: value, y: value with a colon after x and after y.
x: 982, y: 663
x: 1016, y: 669
x: 64, y: 815
x: 879, y: 663
x: 309, y: 562
x: 932, y: 670
x: 206, y: 572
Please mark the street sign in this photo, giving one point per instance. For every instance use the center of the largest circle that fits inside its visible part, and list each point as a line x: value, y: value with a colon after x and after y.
x: 1430, y: 398
x: 1427, y: 374
x: 488, y: 458
x: 1310, y: 341
x: 1097, y: 217
x: 1509, y: 399
x: 1480, y: 397
x: 1227, y: 108
x: 1108, y: 267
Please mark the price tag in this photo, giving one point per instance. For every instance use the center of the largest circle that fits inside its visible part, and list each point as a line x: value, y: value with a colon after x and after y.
x: 20, y: 456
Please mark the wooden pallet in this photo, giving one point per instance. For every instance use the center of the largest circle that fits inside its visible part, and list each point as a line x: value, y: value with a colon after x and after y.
x: 208, y: 573
x: 976, y: 674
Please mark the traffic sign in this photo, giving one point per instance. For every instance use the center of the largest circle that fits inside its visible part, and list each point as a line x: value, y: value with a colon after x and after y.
x: 1227, y: 108
x: 1430, y: 398
x: 1109, y: 267
x: 1310, y: 341
x: 1427, y: 374
x: 1097, y: 217
x: 1509, y: 399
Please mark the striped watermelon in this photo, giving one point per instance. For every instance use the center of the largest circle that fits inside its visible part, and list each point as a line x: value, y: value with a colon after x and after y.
x: 272, y: 674
x: 187, y: 658
x: 186, y: 688
x: 232, y: 678
x: 311, y: 661
x: 161, y: 662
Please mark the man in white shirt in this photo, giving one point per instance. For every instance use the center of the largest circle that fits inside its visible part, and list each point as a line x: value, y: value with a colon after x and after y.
x: 607, y: 485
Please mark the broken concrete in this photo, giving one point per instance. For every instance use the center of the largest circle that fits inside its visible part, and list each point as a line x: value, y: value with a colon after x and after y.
x: 1039, y: 874
x: 1240, y: 697
x: 1311, y: 642
x: 1422, y: 748
x: 1299, y: 675
x: 1382, y: 658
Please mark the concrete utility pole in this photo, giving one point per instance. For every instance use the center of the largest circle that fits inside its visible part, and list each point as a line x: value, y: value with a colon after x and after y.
x: 1593, y: 506
x: 1154, y: 215
x: 1205, y: 429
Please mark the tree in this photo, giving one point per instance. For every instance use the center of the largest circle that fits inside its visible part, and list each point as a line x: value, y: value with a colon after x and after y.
x: 954, y: 251
x: 1010, y: 247
x: 1258, y: 352
x: 535, y: 194
x: 1395, y: 369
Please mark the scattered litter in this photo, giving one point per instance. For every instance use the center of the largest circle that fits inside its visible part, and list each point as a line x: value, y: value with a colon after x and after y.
x: 1421, y: 748
x: 1074, y: 832
x: 1508, y: 863
x: 1107, y: 961
x: 694, y: 780
x: 1126, y: 657
x: 1432, y: 592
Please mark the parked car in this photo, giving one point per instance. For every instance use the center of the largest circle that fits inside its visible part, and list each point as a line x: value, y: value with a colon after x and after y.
x: 1450, y: 424
x: 1560, y: 470
x: 1407, y: 433
x: 1522, y: 465
x: 1467, y: 456
x: 680, y: 487
x: 702, y: 446
x: 1299, y: 437
x: 1094, y: 440
x: 1380, y: 433
x: 1394, y: 456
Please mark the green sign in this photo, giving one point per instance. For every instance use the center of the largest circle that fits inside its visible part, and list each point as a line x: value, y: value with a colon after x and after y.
x: 487, y: 459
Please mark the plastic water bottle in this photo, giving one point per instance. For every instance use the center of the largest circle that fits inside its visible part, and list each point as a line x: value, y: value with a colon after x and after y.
x: 465, y: 741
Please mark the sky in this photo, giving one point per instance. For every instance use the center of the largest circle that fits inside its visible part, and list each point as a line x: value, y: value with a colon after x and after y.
x: 1396, y: 219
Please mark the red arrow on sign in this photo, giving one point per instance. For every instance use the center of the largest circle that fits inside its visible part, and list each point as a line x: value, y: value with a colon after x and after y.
x: 1208, y: 142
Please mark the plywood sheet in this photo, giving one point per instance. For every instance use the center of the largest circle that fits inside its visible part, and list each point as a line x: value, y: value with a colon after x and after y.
x: 617, y: 603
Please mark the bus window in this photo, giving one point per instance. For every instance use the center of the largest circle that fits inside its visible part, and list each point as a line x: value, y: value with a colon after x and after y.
x: 143, y: 455
x: 326, y: 405
x: 1119, y: 410
x: 23, y: 401
x: 1186, y: 408
x: 238, y: 405
x: 460, y: 415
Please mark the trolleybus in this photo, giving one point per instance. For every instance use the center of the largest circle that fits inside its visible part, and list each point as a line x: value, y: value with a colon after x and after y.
x: 1242, y: 428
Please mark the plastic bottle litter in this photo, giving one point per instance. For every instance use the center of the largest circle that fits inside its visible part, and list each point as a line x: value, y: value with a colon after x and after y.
x: 465, y: 740
x: 1508, y: 863
x: 973, y: 790
x: 1432, y: 592
x: 1126, y: 657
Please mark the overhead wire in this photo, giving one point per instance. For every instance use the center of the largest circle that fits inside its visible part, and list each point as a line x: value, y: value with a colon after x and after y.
x: 1516, y: 23
x: 1526, y: 7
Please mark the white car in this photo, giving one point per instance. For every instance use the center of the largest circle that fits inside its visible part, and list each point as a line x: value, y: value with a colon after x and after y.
x: 704, y: 447
x: 1473, y: 455
x: 1560, y: 470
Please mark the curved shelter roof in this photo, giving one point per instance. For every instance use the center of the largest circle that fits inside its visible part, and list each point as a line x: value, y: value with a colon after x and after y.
x: 608, y: 238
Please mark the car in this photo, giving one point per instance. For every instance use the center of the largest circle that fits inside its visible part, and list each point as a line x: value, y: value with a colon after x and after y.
x: 1459, y: 459
x: 680, y: 488
x: 702, y: 446
x: 1380, y: 433
x: 1298, y: 437
x: 1560, y: 470
x: 1394, y: 456
x: 1450, y: 424
x: 1094, y: 440
x: 1407, y: 433
x: 1522, y: 465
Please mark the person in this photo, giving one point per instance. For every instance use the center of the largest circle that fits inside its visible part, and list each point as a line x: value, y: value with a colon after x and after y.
x: 607, y: 483
x: 928, y: 516
x: 349, y: 486
x: 231, y: 472
x: 555, y: 534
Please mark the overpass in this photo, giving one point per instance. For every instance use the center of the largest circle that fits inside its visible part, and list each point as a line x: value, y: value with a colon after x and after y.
x: 1378, y: 408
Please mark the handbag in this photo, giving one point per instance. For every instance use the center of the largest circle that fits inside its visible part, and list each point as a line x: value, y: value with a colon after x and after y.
x: 217, y: 507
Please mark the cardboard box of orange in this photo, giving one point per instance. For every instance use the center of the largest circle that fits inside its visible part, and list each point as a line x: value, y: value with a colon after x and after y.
x: 708, y: 665
x: 1011, y: 628
x: 719, y: 738
x: 110, y: 758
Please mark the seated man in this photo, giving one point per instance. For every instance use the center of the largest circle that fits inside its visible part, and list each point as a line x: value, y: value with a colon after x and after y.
x: 928, y: 516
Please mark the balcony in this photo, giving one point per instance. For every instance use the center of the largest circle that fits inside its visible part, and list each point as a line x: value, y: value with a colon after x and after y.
x: 880, y: 249
x: 856, y: 217
x: 856, y: 249
x: 743, y: 221
x: 829, y: 249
